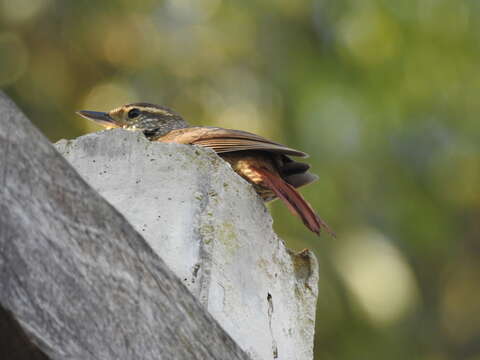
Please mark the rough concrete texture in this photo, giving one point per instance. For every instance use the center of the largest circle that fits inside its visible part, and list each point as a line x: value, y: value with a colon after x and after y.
x: 77, y: 281
x: 213, y: 231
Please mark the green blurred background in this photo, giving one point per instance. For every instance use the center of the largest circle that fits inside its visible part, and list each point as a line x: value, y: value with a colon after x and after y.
x: 381, y: 93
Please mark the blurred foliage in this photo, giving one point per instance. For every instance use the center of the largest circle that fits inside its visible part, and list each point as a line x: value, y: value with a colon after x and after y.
x: 381, y: 93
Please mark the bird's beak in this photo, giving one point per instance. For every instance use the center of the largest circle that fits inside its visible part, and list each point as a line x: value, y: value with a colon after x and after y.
x: 102, y: 118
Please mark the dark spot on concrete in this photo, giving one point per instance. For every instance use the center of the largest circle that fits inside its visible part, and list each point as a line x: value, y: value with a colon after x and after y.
x: 270, y: 313
x: 195, y: 270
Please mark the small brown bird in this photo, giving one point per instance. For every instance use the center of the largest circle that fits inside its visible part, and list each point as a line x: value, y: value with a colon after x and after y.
x: 265, y: 164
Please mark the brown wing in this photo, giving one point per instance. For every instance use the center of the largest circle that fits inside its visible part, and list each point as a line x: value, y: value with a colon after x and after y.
x: 226, y: 140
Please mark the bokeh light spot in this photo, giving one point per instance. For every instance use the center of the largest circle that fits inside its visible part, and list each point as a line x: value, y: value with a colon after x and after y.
x: 377, y: 275
x: 21, y: 10
x: 192, y: 11
x: 370, y: 37
x: 51, y: 73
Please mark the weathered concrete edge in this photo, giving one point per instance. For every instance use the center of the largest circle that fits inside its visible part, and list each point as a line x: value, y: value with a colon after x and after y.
x: 93, y: 156
x: 21, y: 142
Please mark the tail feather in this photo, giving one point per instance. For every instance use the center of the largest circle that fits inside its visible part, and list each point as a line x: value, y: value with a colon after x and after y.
x: 294, y: 201
x: 295, y: 172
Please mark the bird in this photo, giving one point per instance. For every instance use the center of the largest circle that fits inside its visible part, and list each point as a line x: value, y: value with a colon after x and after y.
x: 265, y: 164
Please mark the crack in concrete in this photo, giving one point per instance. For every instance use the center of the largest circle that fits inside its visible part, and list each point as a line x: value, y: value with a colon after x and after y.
x: 270, y: 314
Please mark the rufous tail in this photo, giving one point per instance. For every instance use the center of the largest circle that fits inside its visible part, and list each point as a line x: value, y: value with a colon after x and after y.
x: 294, y: 201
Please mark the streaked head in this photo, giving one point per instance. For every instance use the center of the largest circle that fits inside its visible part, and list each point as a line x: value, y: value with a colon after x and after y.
x: 153, y: 120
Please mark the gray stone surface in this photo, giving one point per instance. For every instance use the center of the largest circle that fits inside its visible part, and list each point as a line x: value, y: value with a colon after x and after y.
x: 210, y: 227
x: 76, y: 280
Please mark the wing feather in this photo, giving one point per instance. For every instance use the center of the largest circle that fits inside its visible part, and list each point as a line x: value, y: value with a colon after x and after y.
x: 227, y: 140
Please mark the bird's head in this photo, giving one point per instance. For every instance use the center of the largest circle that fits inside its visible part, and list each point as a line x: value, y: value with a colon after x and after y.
x: 153, y: 120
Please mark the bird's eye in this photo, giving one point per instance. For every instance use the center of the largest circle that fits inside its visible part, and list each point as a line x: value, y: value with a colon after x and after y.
x: 133, y: 113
